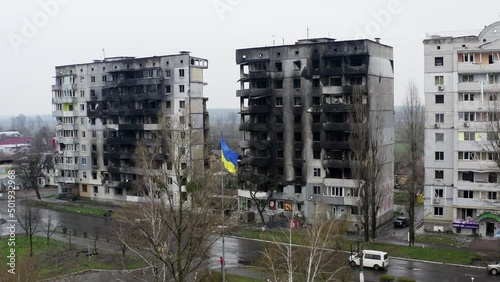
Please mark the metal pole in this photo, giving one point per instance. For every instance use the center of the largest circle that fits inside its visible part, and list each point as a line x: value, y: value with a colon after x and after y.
x: 222, y: 188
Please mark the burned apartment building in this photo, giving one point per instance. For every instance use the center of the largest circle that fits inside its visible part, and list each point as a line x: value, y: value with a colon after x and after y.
x: 105, y: 107
x: 295, y: 104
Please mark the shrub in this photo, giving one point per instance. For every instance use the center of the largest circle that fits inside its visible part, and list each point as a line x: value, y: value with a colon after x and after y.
x: 406, y: 279
x: 387, y: 278
x: 85, y: 234
x: 65, y: 229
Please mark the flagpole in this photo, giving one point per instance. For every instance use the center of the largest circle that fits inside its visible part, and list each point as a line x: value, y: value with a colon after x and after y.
x: 222, y: 188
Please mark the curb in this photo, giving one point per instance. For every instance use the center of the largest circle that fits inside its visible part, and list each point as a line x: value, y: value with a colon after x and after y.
x: 398, y: 258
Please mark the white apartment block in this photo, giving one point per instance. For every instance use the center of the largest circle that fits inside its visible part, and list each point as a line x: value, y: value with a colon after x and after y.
x: 462, y: 88
x: 105, y: 107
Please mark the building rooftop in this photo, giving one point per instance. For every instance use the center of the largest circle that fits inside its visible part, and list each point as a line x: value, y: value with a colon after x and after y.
x: 17, y: 141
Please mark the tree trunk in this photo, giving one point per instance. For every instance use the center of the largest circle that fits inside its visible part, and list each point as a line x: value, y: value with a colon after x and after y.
x: 261, y: 214
x: 31, y: 245
x: 373, y: 218
x: 35, y: 187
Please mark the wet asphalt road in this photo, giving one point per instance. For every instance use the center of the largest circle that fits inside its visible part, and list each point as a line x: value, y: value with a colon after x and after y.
x: 243, y: 252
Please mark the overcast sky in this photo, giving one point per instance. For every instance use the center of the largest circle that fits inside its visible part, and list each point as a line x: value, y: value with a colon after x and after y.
x: 35, y: 36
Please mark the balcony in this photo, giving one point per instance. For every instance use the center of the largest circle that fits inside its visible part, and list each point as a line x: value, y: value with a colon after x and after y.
x: 464, y: 202
x: 254, y: 127
x: 259, y: 75
x: 340, y: 145
x: 67, y: 166
x: 333, y: 90
x: 67, y: 140
x: 57, y: 87
x: 478, y: 68
x: 67, y: 127
x: 254, y: 92
x: 57, y: 113
x: 476, y: 186
x: 64, y: 100
x: 131, y: 127
x: 337, y: 163
x: 62, y: 179
x: 67, y: 153
x: 476, y: 165
x: 72, y: 113
x: 337, y: 126
x: 356, y: 69
x: 259, y: 109
x: 469, y: 86
x: 336, y: 108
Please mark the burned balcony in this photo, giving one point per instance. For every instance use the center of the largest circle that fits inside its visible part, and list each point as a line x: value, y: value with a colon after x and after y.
x: 329, y: 126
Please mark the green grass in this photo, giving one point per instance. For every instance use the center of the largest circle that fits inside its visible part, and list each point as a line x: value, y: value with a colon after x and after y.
x: 431, y: 254
x: 401, y: 148
x: 442, y: 239
x: 52, y: 196
x: 400, y: 198
x: 236, y: 278
x: 56, y: 259
x: 68, y: 208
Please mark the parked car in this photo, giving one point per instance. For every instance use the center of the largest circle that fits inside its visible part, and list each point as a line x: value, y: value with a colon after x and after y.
x: 400, y: 221
x: 494, y: 267
x: 371, y: 258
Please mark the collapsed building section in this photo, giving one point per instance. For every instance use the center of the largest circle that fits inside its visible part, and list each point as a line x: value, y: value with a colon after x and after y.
x: 295, y: 106
x: 103, y: 109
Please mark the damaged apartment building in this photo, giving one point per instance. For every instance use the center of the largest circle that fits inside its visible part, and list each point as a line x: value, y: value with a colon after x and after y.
x: 295, y: 104
x: 105, y: 107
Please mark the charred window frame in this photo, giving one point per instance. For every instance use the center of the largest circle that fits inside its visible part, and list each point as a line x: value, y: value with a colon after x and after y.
x: 297, y: 101
x: 335, y: 81
x: 317, y: 154
x: 316, y: 118
x: 279, y: 136
x: 316, y: 83
x: 297, y: 83
x: 278, y: 84
x: 278, y: 66
x: 279, y: 153
x: 279, y: 101
x: 297, y: 65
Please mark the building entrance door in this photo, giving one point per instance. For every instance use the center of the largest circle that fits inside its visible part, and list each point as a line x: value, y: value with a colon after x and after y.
x: 490, y: 229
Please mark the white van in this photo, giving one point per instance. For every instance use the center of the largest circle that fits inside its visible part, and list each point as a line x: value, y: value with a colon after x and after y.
x: 373, y: 259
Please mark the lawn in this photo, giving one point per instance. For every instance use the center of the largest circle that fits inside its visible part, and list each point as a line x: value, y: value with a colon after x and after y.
x: 443, y: 239
x: 400, y: 148
x: 400, y: 198
x: 56, y: 259
x: 431, y: 254
x: 68, y: 208
x: 53, y: 196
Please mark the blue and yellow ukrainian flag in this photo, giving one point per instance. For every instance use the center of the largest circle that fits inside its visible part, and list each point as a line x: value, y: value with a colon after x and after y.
x: 229, y: 157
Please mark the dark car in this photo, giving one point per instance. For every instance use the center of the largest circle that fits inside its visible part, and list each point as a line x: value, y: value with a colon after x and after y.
x: 400, y: 221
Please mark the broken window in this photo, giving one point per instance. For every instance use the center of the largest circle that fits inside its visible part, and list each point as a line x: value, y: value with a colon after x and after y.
x: 316, y: 118
x: 317, y: 154
x: 296, y: 65
x: 335, y: 81
x: 181, y: 73
x: 356, y: 80
x: 181, y: 88
x: 296, y: 83
x: 438, y: 61
x: 297, y: 101
x: 298, y: 171
x: 316, y: 101
x: 260, y: 84
x: 279, y: 136
x: 104, y: 78
x: 278, y: 84
x: 334, y: 62
x: 315, y: 82
x: 298, y: 136
x: 279, y: 119
x: 297, y: 119
x: 182, y: 104
x: 315, y: 64
x: 168, y: 104
x: 279, y: 102
x: 316, y: 136
x: 279, y: 153
x: 356, y: 61
x: 278, y: 66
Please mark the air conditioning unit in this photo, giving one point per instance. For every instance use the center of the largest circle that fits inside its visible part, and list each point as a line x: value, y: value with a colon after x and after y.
x: 436, y: 125
x: 466, y: 124
x: 436, y: 200
x: 441, y: 88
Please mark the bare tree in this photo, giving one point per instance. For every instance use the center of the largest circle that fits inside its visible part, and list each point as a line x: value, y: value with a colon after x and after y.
x: 28, y: 218
x: 36, y: 161
x: 49, y: 227
x: 367, y: 159
x: 413, y: 128
x: 261, y: 187
x: 171, y: 225
x: 315, y: 258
